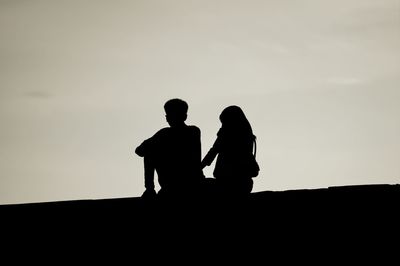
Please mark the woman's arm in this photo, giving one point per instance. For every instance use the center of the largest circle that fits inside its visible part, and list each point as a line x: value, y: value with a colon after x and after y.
x: 212, y: 153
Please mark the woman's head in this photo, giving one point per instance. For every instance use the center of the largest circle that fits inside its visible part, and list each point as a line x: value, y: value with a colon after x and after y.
x: 233, y: 118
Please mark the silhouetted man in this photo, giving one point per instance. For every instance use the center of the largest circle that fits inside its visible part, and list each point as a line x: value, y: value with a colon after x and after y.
x: 174, y: 153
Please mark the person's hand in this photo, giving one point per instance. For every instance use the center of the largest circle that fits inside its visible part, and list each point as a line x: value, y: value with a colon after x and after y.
x: 149, y: 194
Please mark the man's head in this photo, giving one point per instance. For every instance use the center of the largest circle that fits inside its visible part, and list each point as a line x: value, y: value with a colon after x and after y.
x: 176, y: 111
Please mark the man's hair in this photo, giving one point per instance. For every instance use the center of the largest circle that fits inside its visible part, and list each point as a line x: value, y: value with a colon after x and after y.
x: 176, y: 107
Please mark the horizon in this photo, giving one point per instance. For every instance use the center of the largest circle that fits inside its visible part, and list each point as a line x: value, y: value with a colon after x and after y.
x: 366, y: 188
x: 318, y: 81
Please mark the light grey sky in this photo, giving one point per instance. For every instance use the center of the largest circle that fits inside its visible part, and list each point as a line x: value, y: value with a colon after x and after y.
x: 82, y: 83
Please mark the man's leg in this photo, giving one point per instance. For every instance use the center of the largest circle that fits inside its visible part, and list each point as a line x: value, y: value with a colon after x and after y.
x: 149, y: 169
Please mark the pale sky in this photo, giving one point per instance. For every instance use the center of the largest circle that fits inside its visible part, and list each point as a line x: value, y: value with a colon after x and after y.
x: 83, y: 82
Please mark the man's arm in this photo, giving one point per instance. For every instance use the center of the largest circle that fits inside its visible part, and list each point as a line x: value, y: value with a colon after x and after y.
x: 198, y: 152
x: 143, y: 148
x: 149, y: 145
x: 149, y: 170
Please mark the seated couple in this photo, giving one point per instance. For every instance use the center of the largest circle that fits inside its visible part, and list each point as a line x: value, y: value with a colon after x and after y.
x: 174, y: 153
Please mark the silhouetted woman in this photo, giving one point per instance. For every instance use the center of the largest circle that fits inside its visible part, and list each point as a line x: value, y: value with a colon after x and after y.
x: 234, y: 147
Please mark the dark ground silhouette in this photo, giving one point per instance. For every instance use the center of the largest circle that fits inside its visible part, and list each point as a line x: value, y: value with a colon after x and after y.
x: 337, y: 223
x: 343, y: 202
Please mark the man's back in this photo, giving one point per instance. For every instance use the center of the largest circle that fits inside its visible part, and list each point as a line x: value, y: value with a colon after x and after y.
x: 178, y: 160
x: 176, y: 154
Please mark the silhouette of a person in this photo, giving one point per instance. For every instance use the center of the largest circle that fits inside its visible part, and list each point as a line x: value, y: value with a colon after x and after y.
x: 174, y: 153
x: 234, y: 147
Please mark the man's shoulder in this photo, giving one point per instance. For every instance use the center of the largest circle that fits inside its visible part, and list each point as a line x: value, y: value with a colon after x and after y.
x: 194, y: 128
x: 167, y: 131
x: 162, y: 131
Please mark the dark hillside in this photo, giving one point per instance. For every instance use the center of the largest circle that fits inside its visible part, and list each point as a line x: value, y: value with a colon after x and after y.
x: 349, y: 217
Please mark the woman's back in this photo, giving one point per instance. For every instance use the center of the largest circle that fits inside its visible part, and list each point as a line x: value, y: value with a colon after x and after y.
x: 234, y: 148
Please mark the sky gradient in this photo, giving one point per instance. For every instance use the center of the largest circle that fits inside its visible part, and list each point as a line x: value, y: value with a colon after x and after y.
x: 82, y: 83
